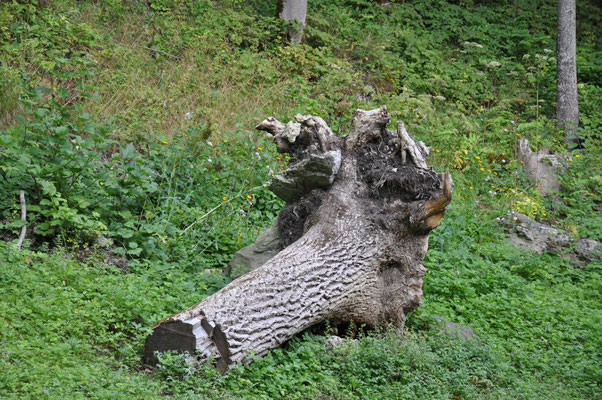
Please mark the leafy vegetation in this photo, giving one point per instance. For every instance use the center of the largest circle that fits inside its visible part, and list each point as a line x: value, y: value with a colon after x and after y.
x: 131, y: 123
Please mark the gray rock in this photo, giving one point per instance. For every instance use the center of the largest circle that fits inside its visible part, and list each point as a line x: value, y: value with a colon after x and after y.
x: 540, y: 238
x: 255, y: 255
x: 542, y: 167
x: 316, y: 171
x: 334, y: 341
x: 588, y: 250
x: 453, y: 329
x: 103, y: 242
x: 533, y: 235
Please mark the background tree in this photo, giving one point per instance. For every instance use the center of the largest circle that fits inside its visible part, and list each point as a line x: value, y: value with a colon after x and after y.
x: 295, y: 11
x: 567, y: 112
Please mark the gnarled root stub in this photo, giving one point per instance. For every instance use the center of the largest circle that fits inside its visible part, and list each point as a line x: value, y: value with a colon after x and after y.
x: 353, y: 236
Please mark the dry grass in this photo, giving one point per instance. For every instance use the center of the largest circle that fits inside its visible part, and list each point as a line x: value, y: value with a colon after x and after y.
x: 149, y: 93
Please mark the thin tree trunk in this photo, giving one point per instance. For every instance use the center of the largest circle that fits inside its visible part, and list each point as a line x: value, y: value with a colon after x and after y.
x: 354, y: 234
x: 294, y: 10
x: 23, y: 218
x: 567, y: 112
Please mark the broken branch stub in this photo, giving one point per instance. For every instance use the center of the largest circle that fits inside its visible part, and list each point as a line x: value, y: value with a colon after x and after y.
x: 353, y: 236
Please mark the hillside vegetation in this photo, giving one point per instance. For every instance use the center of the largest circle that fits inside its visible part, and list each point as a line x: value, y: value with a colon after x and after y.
x: 129, y: 125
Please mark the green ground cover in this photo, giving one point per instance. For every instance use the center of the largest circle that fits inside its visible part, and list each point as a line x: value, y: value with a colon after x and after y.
x: 134, y: 120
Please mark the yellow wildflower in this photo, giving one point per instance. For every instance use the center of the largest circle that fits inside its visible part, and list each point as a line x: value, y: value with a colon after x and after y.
x: 225, y: 198
x: 259, y: 148
x: 164, y: 142
x: 471, y: 188
x: 482, y: 169
x: 249, y: 197
x: 477, y: 157
x: 577, y: 156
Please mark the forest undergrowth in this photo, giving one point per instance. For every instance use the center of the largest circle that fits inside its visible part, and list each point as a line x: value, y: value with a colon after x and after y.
x: 130, y: 128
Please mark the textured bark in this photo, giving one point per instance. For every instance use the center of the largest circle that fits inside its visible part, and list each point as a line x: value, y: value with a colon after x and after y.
x: 351, y: 251
x: 567, y: 112
x: 294, y: 10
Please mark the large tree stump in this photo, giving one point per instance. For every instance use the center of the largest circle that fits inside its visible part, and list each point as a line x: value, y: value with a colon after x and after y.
x: 354, y: 234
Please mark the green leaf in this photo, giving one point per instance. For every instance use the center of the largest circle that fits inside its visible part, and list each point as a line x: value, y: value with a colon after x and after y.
x: 5, y: 140
x: 48, y: 188
x: 61, y: 129
x: 63, y: 93
x: 40, y: 112
x: 128, y: 151
x: 21, y: 120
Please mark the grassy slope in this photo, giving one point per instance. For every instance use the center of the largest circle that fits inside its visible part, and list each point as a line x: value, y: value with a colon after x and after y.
x: 434, y: 65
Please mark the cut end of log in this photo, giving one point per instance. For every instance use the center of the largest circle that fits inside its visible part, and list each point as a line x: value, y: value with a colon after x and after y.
x: 169, y: 336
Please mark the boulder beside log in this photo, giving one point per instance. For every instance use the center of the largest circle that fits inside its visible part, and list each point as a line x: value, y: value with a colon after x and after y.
x: 255, y: 255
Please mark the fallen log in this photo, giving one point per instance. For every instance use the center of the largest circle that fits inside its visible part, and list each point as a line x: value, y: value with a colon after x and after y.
x: 353, y: 235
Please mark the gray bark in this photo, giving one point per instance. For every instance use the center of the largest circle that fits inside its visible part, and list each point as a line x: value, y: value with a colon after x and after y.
x: 351, y: 251
x: 294, y: 10
x: 567, y: 112
x: 23, y: 218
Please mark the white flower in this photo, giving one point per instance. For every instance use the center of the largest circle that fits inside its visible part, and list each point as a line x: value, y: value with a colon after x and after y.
x: 547, y: 51
x: 209, y: 143
x: 188, y: 115
x: 494, y: 64
x: 210, y: 160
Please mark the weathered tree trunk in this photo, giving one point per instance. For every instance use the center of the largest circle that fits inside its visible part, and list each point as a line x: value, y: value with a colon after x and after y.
x: 567, y: 112
x: 354, y: 234
x: 294, y: 10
